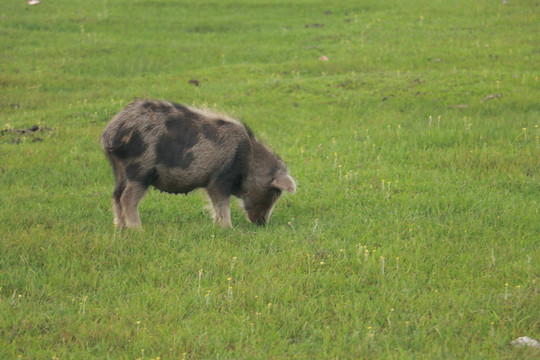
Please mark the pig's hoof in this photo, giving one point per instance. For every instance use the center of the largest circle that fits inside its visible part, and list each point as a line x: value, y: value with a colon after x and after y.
x: 224, y: 225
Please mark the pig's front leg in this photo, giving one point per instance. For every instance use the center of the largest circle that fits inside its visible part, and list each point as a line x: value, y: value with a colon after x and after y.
x: 221, y: 205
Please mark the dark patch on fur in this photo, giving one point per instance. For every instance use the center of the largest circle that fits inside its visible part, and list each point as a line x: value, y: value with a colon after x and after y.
x: 182, y: 128
x: 230, y: 181
x: 128, y: 143
x: 173, y: 148
x: 156, y: 107
x: 135, y: 172
x: 215, y: 130
x: 181, y: 111
x: 211, y: 132
x: 172, y: 154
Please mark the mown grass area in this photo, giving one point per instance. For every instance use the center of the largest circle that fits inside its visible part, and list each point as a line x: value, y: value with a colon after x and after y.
x: 415, y: 229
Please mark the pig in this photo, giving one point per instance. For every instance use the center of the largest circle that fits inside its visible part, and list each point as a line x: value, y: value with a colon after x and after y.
x: 177, y: 149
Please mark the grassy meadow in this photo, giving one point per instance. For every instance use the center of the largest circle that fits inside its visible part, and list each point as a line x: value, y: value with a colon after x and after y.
x: 411, y: 128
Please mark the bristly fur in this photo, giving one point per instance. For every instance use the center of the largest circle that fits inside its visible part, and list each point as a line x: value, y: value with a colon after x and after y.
x: 177, y: 149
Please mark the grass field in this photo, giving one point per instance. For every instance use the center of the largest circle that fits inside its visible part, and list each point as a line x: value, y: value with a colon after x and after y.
x: 411, y: 127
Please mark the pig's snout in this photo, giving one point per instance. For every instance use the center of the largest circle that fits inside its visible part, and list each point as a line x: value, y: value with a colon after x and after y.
x: 261, y: 221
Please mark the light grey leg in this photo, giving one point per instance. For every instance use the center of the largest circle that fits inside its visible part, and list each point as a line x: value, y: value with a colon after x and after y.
x: 119, y: 187
x: 129, y: 202
x: 221, y: 208
x: 119, y: 219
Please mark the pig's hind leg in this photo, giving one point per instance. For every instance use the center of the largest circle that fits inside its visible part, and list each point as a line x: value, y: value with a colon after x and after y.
x: 119, y: 187
x: 129, y: 203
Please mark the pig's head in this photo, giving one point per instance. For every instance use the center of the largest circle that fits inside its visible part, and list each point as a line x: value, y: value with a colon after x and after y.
x: 267, y: 179
x: 260, y: 201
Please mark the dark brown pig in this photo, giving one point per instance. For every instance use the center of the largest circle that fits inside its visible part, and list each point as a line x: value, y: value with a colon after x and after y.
x: 177, y: 149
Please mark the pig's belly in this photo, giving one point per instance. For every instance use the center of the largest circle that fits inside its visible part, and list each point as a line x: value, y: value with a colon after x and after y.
x: 178, y: 181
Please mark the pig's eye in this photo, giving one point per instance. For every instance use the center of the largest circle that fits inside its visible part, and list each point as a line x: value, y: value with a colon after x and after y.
x: 276, y: 192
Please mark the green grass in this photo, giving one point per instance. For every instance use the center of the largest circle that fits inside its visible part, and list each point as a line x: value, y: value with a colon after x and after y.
x: 415, y: 230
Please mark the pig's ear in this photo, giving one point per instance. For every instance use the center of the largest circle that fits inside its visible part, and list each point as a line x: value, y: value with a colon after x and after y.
x: 284, y: 182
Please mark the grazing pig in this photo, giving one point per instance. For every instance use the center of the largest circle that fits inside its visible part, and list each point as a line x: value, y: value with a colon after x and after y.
x: 178, y: 149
